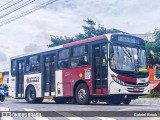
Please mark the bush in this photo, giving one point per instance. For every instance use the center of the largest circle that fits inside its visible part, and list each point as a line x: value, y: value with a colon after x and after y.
x: 153, y: 94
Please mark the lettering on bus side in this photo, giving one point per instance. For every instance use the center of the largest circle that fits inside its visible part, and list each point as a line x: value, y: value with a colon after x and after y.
x: 68, y: 74
x: 32, y: 79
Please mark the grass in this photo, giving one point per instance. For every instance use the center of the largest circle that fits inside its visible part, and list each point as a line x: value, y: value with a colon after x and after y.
x: 153, y: 94
x: 8, y: 97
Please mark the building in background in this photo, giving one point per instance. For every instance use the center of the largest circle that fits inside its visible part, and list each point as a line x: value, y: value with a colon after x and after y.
x: 4, y: 78
x: 147, y: 36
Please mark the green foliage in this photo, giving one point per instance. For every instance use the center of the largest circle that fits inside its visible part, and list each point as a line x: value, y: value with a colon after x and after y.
x: 155, y: 47
x: 157, y: 34
x: 90, y: 30
x: 154, y: 94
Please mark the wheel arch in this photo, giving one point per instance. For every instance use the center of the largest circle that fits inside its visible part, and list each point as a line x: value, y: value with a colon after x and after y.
x: 77, y: 83
x: 30, y: 85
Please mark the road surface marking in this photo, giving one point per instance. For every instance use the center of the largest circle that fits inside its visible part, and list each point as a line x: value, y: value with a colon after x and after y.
x: 36, y: 118
x: 7, y: 113
x: 126, y: 109
x: 105, y: 118
x: 69, y: 116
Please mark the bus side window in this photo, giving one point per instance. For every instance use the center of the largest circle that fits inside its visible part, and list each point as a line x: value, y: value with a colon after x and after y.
x: 27, y: 65
x: 63, y: 59
x: 34, y: 64
x: 82, y: 61
x: 13, y: 68
x: 79, y: 56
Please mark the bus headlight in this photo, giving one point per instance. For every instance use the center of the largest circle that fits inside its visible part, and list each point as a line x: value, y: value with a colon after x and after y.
x: 118, y: 80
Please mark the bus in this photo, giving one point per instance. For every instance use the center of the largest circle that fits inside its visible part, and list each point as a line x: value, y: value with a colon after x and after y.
x: 109, y: 68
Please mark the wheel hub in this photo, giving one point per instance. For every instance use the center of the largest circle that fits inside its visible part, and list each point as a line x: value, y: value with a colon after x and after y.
x: 31, y: 95
x: 82, y: 94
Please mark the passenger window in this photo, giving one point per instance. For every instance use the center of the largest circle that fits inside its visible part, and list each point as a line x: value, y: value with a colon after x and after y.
x: 79, y: 56
x: 33, y: 64
x: 63, y: 59
x: 64, y: 54
x: 80, y: 50
x: 13, y: 68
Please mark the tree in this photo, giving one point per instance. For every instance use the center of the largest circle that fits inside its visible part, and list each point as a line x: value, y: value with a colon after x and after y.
x: 90, y: 30
x: 153, y: 49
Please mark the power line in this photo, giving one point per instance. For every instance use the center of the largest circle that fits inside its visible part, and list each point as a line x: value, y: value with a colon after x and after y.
x: 6, y: 3
x: 26, y: 12
x: 19, y: 7
x: 10, y: 5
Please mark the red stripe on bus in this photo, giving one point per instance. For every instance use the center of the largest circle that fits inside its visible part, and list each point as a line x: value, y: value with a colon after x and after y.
x: 85, y: 41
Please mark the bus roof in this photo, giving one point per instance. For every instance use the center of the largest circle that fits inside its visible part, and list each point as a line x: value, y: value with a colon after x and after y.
x: 85, y: 40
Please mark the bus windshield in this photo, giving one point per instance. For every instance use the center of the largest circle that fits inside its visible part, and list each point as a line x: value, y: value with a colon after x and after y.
x: 128, y: 59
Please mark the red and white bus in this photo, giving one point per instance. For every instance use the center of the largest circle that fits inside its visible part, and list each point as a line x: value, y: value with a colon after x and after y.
x: 109, y: 68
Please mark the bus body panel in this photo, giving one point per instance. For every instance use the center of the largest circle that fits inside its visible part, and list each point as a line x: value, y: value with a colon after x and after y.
x: 58, y: 83
x: 116, y: 88
x: 35, y: 80
x: 73, y: 75
x: 12, y: 87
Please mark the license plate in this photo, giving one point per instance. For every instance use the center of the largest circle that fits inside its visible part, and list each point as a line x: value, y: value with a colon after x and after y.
x: 136, y: 89
x: 141, y: 80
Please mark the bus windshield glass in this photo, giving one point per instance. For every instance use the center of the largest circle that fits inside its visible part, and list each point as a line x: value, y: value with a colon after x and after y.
x: 128, y: 58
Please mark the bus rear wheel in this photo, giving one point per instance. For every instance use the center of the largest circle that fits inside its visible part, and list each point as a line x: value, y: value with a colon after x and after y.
x: 126, y: 101
x: 31, y: 95
x: 82, y: 94
x: 94, y: 100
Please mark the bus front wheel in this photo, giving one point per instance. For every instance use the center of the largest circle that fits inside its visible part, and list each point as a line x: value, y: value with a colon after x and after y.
x: 31, y: 95
x: 82, y: 94
x: 116, y: 99
x: 126, y: 101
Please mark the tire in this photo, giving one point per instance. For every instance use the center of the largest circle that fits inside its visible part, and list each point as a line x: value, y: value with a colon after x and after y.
x: 31, y: 95
x: 116, y: 99
x: 73, y: 100
x: 94, y: 101
x: 60, y: 100
x: 82, y: 94
x: 127, y: 101
x: 2, y: 98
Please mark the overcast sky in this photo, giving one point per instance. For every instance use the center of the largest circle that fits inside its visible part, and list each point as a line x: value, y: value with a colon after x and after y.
x: 65, y: 17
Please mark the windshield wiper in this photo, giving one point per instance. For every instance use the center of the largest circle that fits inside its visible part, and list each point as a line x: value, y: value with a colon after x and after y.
x: 127, y: 52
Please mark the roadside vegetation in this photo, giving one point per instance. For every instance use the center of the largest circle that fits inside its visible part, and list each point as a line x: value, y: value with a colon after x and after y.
x: 90, y: 29
x: 154, y: 57
x: 154, y: 94
x: 8, y: 97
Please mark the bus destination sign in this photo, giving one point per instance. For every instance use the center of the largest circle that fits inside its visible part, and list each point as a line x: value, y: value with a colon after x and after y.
x: 128, y: 39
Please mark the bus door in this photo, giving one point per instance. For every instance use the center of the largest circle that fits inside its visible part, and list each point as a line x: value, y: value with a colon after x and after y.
x: 49, y: 74
x: 20, y: 78
x: 100, y: 68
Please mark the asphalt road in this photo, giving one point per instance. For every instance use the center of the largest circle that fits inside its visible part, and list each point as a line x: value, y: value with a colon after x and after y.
x: 67, y: 111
